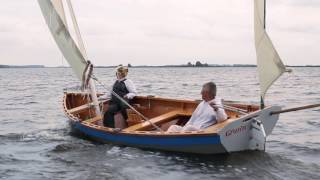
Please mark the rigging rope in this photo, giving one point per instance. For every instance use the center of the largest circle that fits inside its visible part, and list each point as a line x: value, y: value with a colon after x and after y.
x: 86, y: 75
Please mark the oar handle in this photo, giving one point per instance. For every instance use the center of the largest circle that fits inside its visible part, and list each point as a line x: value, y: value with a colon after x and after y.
x: 132, y: 108
x: 233, y: 109
x: 126, y: 103
x: 295, y: 109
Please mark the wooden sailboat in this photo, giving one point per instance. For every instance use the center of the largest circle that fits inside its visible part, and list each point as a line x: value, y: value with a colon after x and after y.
x: 246, y: 128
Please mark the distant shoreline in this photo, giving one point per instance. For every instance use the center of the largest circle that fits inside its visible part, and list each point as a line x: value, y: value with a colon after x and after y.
x: 146, y: 66
x: 24, y: 66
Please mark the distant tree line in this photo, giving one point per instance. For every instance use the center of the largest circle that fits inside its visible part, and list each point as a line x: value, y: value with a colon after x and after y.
x: 197, y: 64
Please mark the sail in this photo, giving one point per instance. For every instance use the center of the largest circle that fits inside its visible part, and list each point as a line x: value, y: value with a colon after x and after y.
x: 58, y: 5
x: 77, y: 31
x: 270, y: 66
x: 53, y: 13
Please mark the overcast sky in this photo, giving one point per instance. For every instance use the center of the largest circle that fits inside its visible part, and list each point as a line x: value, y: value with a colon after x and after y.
x: 159, y: 32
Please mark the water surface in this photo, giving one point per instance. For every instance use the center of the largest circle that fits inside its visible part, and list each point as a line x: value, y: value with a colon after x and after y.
x: 35, y: 140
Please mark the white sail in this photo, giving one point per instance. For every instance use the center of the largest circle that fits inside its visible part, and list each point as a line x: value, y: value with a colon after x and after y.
x: 54, y: 15
x: 77, y: 31
x: 270, y: 66
x: 55, y: 18
x: 58, y: 5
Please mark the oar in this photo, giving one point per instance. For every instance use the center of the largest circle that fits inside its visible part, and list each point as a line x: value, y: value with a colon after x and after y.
x: 238, y: 110
x: 136, y: 111
x: 231, y: 108
x: 126, y: 103
x: 295, y: 109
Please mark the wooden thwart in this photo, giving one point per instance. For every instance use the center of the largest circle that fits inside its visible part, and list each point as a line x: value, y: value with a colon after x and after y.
x: 79, y: 109
x: 158, y: 120
x: 93, y: 120
x: 84, y: 107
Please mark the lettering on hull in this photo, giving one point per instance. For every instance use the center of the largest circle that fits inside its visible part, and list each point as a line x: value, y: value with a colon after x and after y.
x: 236, y: 130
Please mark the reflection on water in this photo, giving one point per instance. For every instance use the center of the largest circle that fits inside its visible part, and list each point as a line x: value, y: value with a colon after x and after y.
x: 35, y: 141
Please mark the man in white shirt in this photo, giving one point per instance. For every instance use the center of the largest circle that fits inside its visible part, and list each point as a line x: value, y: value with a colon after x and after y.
x: 207, y: 113
x: 126, y: 90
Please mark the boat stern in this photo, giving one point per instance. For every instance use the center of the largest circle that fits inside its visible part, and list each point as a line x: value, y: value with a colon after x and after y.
x: 239, y: 135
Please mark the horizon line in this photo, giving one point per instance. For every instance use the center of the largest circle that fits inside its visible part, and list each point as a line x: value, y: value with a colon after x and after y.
x: 132, y: 66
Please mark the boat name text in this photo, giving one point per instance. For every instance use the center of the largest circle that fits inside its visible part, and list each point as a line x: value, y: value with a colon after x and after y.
x: 236, y: 130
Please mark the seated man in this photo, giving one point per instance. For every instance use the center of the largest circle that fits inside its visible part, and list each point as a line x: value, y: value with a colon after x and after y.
x: 126, y: 90
x: 207, y: 113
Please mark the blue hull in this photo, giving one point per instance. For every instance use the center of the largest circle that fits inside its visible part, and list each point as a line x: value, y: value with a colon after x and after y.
x: 200, y: 144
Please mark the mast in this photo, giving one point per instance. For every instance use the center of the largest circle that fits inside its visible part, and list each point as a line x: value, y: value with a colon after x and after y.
x: 270, y: 66
x: 92, y: 86
x: 54, y: 15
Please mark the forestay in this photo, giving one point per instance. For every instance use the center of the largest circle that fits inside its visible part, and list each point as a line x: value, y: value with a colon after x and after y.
x: 270, y: 66
x: 54, y: 15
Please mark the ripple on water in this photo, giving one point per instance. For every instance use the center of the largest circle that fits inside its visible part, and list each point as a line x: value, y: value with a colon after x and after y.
x: 64, y: 160
x: 53, y: 135
x: 12, y: 137
x: 114, y: 150
x: 8, y: 158
x: 147, y: 86
x: 315, y: 123
x: 29, y: 102
x: 65, y: 147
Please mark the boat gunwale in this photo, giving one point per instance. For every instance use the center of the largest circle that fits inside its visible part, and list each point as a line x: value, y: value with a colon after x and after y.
x: 148, y: 133
x: 205, y: 132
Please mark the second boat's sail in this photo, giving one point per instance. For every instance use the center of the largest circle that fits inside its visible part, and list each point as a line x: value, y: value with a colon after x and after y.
x: 270, y: 66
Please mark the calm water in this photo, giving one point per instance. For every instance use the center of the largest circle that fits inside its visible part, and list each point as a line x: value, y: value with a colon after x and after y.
x: 35, y: 142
